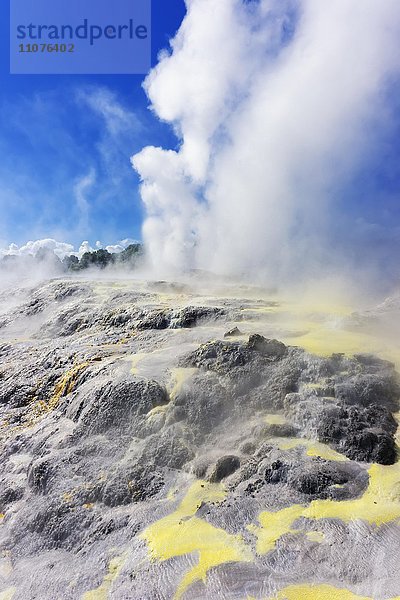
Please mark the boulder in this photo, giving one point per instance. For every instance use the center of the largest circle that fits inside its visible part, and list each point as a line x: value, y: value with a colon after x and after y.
x: 225, y: 466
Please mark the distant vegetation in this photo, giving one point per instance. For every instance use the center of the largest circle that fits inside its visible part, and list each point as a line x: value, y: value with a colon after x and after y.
x: 102, y: 258
x: 99, y: 259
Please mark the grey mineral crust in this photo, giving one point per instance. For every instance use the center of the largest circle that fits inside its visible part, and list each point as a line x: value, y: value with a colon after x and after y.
x: 94, y: 450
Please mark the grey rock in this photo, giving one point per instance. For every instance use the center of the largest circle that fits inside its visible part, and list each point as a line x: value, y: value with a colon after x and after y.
x: 232, y: 332
x: 118, y: 405
x: 370, y: 388
x: 191, y: 316
x: 133, y: 484
x: 225, y: 466
x: 86, y: 470
x: 273, y: 349
x: 170, y: 449
x: 157, y: 319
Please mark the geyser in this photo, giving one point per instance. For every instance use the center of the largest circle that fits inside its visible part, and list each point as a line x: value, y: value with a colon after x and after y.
x: 277, y: 106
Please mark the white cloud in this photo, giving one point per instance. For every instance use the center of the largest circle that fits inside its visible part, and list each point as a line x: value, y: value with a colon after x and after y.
x: 104, y: 103
x: 81, y: 188
x: 118, y: 129
x: 32, y: 248
x: 271, y: 125
x: 61, y: 249
x: 120, y: 246
x: 85, y: 247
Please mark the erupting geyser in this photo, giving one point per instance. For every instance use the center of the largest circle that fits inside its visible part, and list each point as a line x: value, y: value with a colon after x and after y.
x: 276, y: 104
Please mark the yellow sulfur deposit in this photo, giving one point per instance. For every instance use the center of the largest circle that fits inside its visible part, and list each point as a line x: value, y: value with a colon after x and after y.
x: 324, y: 451
x: 316, y: 592
x: 315, y: 536
x: 8, y: 594
x: 178, y: 377
x: 274, y: 526
x: 40, y: 408
x: 323, y: 330
x: 135, y: 360
x: 380, y: 504
x: 114, y: 569
x: 272, y: 419
x: 183, y: 533
x: 64, y: 386
x: 313, y: 448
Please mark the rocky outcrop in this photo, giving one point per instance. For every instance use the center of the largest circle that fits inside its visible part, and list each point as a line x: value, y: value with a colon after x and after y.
x: 225, y: 466
x: 99, y: 446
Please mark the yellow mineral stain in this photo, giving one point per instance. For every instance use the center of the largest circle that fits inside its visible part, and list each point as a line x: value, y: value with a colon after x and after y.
x: 288, y: 443
x: 324, y: 451
x: 39, y: 408
x: 64, y: 386
x: 114, y: 569
x: 8, y: 593
x: 135, y: 360
x: 273, y: 526
x: 312, y: 386
x: 324, y: 328
x: 183, y: 533
x: 179, y: 376
x: 324, y: 331
x: 379, y: 504
x: 324, y: 340
x: 172, y: 494
x: 316, y: 592
x: 312, y: 448
x: 275, y: 419
x: 157, y: 410
x: 315, y: 536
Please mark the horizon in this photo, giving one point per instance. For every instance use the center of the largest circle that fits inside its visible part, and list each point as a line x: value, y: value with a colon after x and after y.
x: 328, y: 202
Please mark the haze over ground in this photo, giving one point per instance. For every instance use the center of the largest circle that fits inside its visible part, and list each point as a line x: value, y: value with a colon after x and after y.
x: 272, y: 147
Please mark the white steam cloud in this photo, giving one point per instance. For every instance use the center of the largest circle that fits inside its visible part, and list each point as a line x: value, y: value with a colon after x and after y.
x: 275, y: 103
x: 61, y: 249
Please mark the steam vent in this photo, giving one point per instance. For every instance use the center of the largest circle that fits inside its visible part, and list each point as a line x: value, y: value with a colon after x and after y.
x: 159, y: 443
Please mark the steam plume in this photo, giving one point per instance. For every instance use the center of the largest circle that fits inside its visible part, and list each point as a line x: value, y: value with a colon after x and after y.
x: 276, y: 103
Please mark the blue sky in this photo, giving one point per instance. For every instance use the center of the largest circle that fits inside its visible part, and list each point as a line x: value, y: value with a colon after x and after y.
x: 66, y: 143
x: 65, y: 147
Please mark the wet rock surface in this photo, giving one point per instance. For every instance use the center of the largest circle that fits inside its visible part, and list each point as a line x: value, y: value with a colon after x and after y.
x: 112, y: 405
